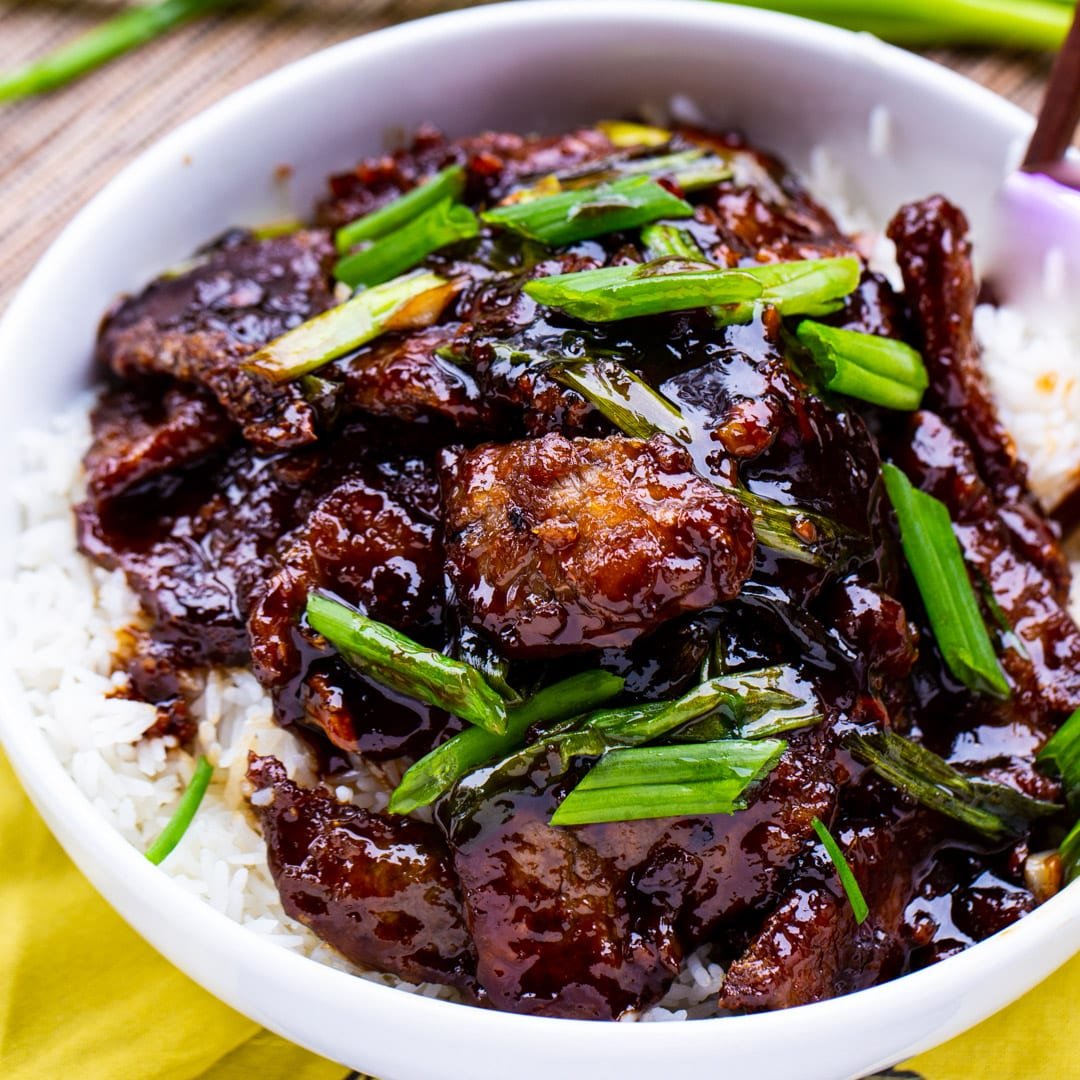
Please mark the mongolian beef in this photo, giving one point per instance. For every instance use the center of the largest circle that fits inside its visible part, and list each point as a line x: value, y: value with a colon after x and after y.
x: 671, y: 564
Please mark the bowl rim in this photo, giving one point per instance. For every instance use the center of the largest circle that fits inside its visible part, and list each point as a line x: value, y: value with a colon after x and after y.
x: 106, y: 857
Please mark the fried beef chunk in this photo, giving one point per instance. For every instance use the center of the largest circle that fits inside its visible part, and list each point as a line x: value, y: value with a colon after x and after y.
x: 763, y: 213
x: 555, y: 545
x: 403, y: 377
x: 199, y: 323
x: 379, y: 889
x: 365, y: 545
x: 139, y: 435
x: 198, y: 546
x: 810, y: 948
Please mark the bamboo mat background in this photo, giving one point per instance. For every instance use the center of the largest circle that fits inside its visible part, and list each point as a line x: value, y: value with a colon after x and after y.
x: 57, y: 151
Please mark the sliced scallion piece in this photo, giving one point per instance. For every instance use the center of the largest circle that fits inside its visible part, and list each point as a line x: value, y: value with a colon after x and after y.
x: 626, y: 400
x: 669, y: 781
x: 570, y: 216
x: 405, y: 303
x: 1061, y: 757
x: 934, y: 555
x: 771, y: 701
x: 625, y: 134
x: 185, y: 811
x: 670, y: 242
x: 448, y: 184
x: 437, y: 227
x: 806, y: 287
x: 1070, y: 854
x: 396, y: 661
x: 995, y: 810
x: 855, y: 896
x: 880, y: 370
x: 437, y: 772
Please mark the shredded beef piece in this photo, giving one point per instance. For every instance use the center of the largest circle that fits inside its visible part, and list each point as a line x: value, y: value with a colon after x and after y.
x: 378, y: 889
x: 556, y: 545
x: 198, y: 324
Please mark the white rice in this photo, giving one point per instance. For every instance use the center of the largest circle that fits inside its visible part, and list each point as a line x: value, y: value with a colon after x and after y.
x: 64, y: 654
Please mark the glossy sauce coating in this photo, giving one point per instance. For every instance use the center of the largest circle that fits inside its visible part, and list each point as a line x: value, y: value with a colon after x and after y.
x: 444, y: 482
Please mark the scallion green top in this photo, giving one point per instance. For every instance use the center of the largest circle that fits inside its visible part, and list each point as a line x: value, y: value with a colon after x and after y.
x: 400, y: 663
x: 876, y: 369
x: 185, y: 812
x: 934, y: 555
x: 806, y: 287
x: 855, y: 896
x: 450, y: 183
x: 570, y: 216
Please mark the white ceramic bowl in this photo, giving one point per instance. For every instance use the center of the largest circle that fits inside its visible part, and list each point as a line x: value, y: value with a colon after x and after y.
x: 790, y: 84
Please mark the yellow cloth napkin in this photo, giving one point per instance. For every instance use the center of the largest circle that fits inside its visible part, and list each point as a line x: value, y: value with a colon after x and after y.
x: 82, y: 995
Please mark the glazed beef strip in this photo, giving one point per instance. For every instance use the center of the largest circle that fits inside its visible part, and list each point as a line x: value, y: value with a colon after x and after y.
x: 379, y: 889
x: 198, y: 324
x: 554, y: 545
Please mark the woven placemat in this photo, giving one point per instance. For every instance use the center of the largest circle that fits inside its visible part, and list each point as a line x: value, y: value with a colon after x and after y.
x: 57, y: 151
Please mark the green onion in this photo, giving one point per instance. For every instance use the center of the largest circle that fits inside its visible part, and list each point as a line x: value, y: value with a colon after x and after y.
x: 405, y: 303
x: 805, y: 287
x: 448, y: 184
x: 182, y: 817
x: 1061, y: 757
x: 273, y: 229
x: 670, y: 242
x: 1015, y: 24
x: 398, y: 662
x: 855, y: 897
x: 635, y: 725
x: 880, y: 370
x: 103, y: 43
x: 625, y: 134
x: 1070, y: 854
x: 691, y: 169
x: 570, y: 216
x: 769, y: 702
x: 669, y: 781
x: 595, y: 734
x: 934, y: 555
x: 437, y: 772
x: 995, y: 810
x: 444, y: 223
x: 626, y: 400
